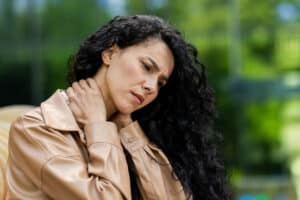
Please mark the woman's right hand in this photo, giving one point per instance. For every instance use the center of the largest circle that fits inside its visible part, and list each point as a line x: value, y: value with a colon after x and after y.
x: 86, y: 102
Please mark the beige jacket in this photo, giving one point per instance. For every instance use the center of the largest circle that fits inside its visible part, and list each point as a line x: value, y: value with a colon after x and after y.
x: 50, y: 157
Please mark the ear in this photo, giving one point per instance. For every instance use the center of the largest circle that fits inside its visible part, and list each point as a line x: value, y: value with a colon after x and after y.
x: 107, y: 54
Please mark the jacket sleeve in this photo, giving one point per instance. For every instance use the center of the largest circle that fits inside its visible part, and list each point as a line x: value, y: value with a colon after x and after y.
x: 153, y: 171
x: 55, y: 165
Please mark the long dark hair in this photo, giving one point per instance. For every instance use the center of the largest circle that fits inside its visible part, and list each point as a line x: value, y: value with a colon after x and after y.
x: 180, y: 120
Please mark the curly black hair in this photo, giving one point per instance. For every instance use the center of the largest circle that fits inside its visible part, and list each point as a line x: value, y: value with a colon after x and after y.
x: 181, y: 119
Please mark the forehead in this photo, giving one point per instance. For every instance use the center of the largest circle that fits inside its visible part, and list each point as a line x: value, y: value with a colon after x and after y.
x: 157, y: 50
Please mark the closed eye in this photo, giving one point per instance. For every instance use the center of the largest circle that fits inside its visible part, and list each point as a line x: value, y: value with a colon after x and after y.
x: 146, y: 66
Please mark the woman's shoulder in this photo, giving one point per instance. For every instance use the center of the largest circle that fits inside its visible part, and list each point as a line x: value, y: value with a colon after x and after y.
x: 28, y: 119
x: 46, y: 127
x: 34, y: 113
x: 20, y: 113
x: 53, y: 113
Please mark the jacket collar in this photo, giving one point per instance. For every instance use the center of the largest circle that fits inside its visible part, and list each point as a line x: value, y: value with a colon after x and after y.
x: 57, y: 113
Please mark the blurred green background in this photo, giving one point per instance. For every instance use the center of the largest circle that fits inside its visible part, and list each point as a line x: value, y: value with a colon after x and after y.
x: 251, y: 48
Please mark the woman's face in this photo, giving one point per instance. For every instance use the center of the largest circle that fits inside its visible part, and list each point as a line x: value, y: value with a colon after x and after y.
x: 135, y: 74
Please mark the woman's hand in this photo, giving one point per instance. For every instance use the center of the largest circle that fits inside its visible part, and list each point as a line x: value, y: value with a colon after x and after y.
x: 121, y: 120
x: 86, y: 102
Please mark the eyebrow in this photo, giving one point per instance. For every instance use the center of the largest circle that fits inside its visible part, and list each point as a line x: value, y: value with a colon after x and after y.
x: 157, y: 68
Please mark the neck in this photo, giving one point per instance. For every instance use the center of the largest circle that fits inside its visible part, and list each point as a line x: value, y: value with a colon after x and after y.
x: 102, y: 84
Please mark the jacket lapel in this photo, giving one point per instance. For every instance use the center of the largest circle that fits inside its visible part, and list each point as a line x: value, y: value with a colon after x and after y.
x: 57, y: 113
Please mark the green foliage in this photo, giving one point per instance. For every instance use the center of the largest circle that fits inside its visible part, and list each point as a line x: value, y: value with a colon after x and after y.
x: 262, y: 132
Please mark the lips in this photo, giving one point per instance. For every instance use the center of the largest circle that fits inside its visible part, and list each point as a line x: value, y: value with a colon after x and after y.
x: 139, y: 97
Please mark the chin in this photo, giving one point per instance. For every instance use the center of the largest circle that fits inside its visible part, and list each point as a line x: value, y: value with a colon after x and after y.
x: 125, y: 108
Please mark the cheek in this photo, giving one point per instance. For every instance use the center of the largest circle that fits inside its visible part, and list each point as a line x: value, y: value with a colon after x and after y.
x: 119, y: 90
x: 125, y: 74
x: 118, y: 77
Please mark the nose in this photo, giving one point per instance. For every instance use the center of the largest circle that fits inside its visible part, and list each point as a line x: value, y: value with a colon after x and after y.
x: 150, y: 85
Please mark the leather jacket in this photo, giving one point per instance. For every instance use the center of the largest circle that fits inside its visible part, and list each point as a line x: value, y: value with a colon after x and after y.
x: 50, y: 157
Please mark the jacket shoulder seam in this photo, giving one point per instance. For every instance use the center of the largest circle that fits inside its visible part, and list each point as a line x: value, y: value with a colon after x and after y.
x: 35, y: 142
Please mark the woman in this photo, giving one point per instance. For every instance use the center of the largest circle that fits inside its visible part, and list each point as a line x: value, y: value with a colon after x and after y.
x: 135, y: 123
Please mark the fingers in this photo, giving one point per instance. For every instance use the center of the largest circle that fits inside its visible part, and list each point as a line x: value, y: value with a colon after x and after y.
x: 86, y: 101
x: 88, y: 85
x: 82, y: 88
x: 80, y: 94
x: 84, y: 85
x: 70, y: 93
x: 72, y: 96
x: 75, y: 109
x: 92, y: 83
x: 74, y: 102
x: 77, y: 88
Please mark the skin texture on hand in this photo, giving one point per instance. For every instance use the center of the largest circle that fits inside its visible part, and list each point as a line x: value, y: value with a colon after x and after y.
x: 86, y: 102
